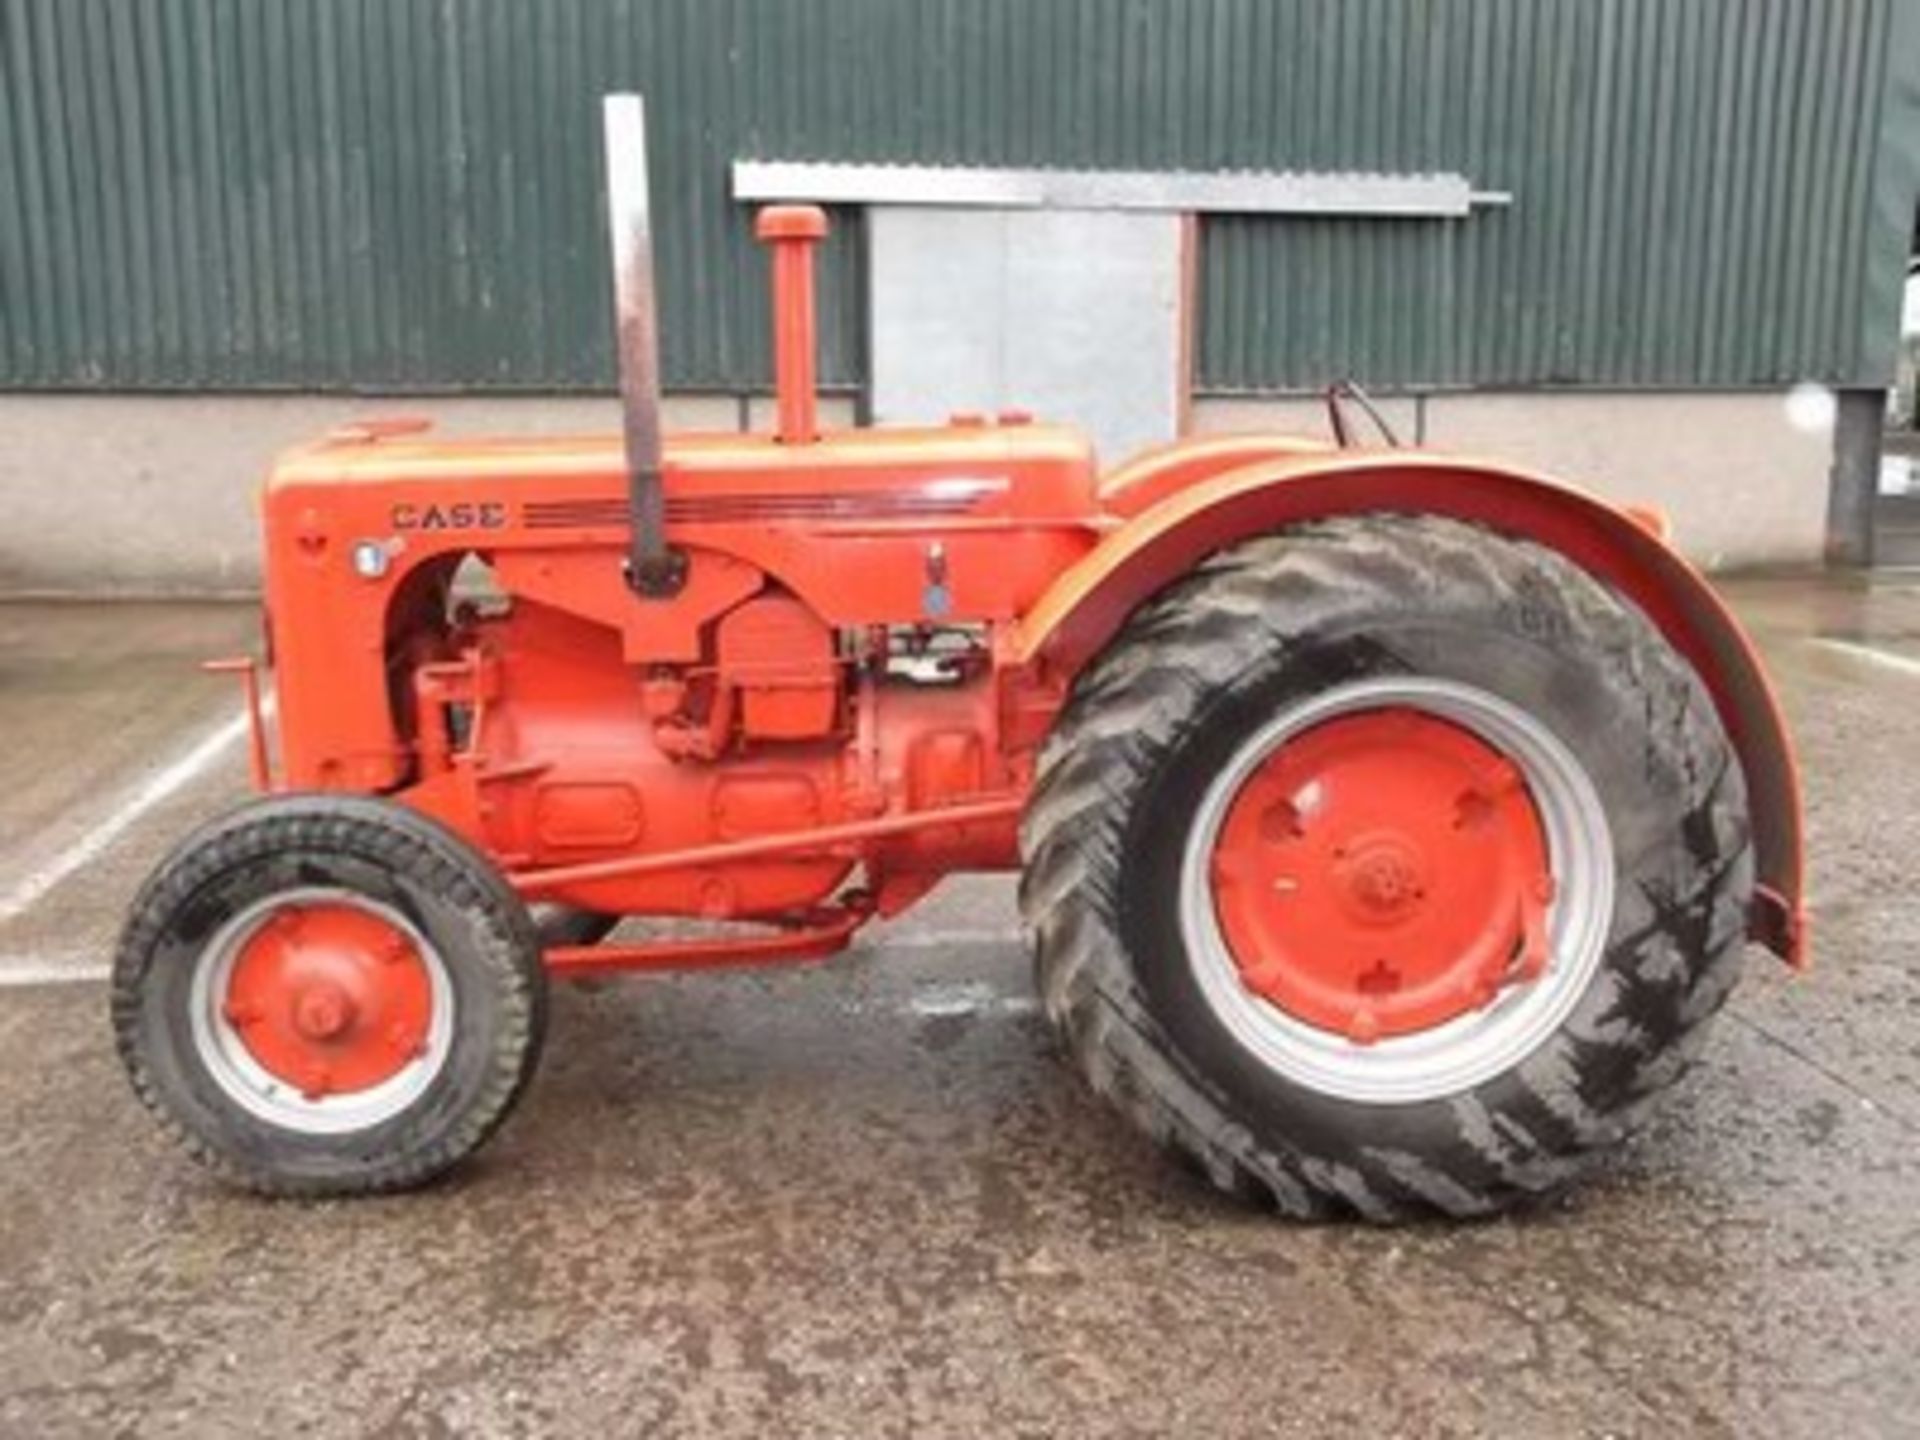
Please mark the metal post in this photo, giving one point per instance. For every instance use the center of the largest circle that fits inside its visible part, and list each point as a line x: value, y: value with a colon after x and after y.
x: 653, y: 568
x: 1854, y: 483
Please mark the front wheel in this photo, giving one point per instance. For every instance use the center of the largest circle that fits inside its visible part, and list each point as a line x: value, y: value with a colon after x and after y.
x: 328, y: 995
x: 1387, y: 866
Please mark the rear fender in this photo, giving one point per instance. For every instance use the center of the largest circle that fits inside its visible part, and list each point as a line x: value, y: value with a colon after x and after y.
x: 1090, y: 601
x: 1153, y: 475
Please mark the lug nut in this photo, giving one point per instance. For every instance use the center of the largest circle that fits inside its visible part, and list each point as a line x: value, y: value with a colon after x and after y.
x: 404, y: 1040
x: 1280, y: 822
x: 1262, y: 979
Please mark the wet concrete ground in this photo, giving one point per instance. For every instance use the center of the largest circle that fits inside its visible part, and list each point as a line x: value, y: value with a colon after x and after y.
x: 866, y: 1199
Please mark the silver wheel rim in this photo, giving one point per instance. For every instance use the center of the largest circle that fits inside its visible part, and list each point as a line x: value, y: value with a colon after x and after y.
x: 251, y: 1086
x: 1470, y: 1049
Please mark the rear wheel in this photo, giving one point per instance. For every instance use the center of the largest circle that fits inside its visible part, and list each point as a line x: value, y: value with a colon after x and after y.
x: 1387, y: 866
x: 328, y: 995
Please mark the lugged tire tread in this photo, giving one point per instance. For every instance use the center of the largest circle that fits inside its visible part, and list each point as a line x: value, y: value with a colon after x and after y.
x: 1129, y: 706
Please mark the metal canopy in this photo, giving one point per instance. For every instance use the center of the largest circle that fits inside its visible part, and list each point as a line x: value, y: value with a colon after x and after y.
x: 1428, y: 196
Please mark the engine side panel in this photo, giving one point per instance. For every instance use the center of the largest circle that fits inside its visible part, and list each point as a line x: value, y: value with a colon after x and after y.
x: 866, y: 527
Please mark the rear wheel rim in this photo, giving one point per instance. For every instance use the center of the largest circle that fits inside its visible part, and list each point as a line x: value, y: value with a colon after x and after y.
x: 1512, y: 910
x: 321, y: 1011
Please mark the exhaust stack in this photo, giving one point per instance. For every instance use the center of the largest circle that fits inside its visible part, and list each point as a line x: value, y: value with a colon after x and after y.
x: 653, y: 569
x: 791, y: 232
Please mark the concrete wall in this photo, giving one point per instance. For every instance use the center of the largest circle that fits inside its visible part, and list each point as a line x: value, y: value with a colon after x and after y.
x: 154, y: 494
x: 1744, y: 477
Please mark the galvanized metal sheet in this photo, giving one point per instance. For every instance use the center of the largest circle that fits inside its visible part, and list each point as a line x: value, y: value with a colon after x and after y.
x: 990, y: 308
x: 1246, y: 193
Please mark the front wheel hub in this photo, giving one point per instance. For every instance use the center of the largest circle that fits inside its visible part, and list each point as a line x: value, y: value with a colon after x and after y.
x: 322, y: 1012
x: 329, y: 998
x: 1382, y: 873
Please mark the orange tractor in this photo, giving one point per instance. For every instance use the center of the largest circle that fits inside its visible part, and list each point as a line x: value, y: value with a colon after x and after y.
x: 1390, y: 825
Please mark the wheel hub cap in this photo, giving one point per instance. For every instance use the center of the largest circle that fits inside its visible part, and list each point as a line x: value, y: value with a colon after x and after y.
x: 330, y: 999
x: 1382, y: 873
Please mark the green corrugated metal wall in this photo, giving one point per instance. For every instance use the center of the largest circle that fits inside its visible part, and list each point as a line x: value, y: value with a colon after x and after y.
x: 402, y: 193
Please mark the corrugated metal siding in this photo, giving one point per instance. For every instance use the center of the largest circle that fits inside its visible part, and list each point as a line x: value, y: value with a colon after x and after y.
x: 371, y: 193
x: 403, y: 193
x: 1693, y: 197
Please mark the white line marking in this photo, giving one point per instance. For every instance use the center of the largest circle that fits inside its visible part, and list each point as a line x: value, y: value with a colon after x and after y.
x: 18, y: 971
x: 937, y: 1001
x: 938, y: 939
x: 1885, y: 659
x: 967, y: 997
x: 152, y: 791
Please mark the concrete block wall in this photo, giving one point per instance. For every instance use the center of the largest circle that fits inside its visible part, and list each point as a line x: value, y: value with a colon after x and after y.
x: 154, y: 495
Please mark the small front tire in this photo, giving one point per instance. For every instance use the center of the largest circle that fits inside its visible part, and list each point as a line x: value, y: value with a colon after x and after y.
x: 328, y: 995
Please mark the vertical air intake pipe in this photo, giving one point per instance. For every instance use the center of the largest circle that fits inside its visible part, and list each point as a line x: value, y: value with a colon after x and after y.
x: 792, y: 231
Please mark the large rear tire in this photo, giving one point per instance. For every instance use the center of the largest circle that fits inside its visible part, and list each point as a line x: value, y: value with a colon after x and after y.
x: 1387, y: 867
x: 328, y: 995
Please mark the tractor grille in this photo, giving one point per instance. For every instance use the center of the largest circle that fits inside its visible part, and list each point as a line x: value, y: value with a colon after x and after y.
x: 721, y: 509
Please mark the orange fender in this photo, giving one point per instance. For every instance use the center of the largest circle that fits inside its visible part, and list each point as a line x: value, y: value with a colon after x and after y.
x: 1152, y: 475
x: 1155, y: 545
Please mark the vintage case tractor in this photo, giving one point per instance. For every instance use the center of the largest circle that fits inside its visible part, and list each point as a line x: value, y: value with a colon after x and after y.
x: 1390, y: 824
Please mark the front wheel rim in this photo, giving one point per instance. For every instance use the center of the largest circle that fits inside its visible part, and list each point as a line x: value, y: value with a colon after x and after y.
x: 1424, y: 1050
x: 341, y: 1041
